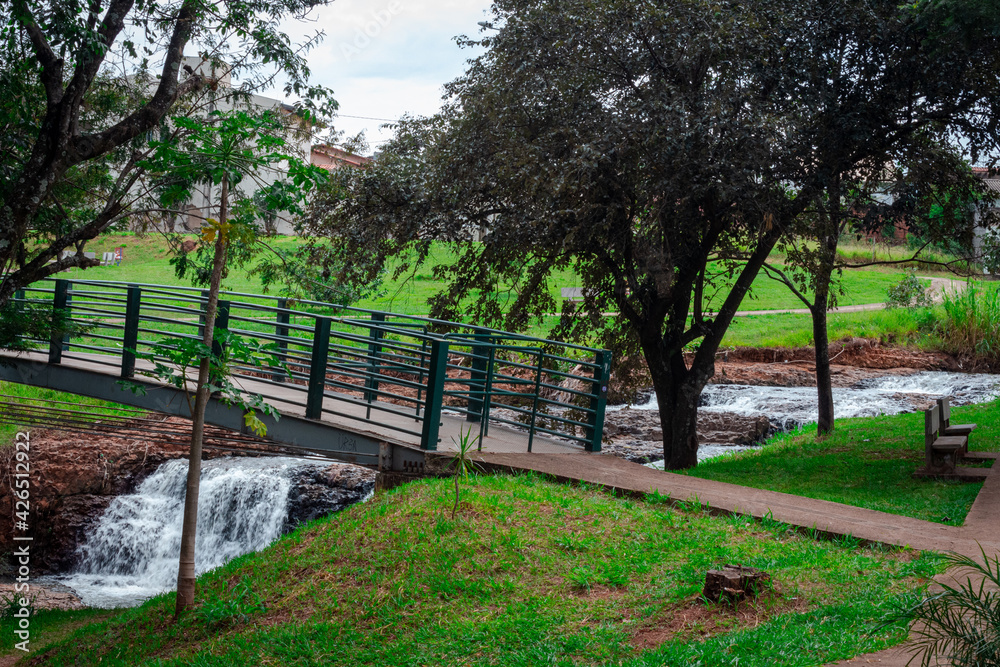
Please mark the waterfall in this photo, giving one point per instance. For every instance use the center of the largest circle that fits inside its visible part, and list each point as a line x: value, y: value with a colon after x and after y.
x: 132, y: 552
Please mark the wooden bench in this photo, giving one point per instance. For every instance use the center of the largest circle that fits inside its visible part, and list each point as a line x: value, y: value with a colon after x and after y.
x: 945, y: 444
x: 947, y: 428
x: 941, y: 451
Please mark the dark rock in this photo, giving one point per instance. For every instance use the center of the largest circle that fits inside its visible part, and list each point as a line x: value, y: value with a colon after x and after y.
x: 321, y: 490
x: 61, y: 538
x: 636, y: 435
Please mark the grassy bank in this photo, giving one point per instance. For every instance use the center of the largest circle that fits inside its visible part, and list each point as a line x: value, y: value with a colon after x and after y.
x: 147, y: 261
x: 901, y: 326
x: 865, y: 462
x: 529, y: 573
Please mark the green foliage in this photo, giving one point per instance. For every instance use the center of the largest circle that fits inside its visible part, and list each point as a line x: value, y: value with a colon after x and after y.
x: 909, y: 292
x: 26, y: 326
x: 960, y: 625
x: 10, y: 604
x: 175, y: 362
x: 237, y: 147
x: 970, y: 327
x: 462, y: 463
x: 83, y: 95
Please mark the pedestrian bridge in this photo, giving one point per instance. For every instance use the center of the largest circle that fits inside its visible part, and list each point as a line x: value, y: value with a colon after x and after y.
x: 368, y: 387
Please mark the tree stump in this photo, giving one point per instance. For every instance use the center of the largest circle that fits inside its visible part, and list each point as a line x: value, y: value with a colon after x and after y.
x: 734, y: 583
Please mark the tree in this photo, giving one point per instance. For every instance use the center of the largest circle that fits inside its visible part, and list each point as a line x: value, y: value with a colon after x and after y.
x: 929, y: 190
x: 659, y: 150
x: 628, y: 142
x: 82, y: 100
x: 225, y: 149
x: 899, y: 98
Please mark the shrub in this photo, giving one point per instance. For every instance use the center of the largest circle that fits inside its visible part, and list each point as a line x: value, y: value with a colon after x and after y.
x: 908, y: 293
x: 961, y: 625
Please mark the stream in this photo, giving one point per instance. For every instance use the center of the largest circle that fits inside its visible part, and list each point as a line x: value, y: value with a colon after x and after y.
x: 788, y: 408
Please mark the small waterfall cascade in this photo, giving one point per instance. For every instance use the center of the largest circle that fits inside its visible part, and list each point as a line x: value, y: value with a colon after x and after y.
x: 789, y: 407
x: 132, y: 552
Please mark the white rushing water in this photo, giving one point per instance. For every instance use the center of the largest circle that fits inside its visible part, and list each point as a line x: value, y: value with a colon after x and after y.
x: 132, y: 554
x: 789, y: 407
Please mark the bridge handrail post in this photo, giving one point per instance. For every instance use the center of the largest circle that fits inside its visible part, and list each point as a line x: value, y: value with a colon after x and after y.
x: 534, y: 402
x: 221, y: 323
x: 281, y: 331
x: 436, y: 375
x: 60, y: 304
x: 130, y: 338
x: 317, y: 368
x: 477, y: 377
x: 598, y: 400
x: 374, y: 350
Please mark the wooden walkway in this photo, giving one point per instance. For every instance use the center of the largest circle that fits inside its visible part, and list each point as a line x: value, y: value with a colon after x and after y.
x: 981, y: 528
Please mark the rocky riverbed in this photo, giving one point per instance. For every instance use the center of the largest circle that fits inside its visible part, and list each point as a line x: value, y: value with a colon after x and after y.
x: 749, y: 398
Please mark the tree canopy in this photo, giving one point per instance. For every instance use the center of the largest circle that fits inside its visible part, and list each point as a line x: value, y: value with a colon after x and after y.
x: 655, y: 148
x: 86, y: 83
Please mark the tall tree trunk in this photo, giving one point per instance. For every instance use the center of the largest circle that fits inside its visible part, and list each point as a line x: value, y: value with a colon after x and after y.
x: 679, y: 421
x: 824, y: 381
x: 189, y: 529
x: 820, y: 307
x: 678, y: 391
x: 678, y: 386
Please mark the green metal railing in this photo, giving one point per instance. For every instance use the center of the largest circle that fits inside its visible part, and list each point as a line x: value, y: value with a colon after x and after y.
x: 350, y: 364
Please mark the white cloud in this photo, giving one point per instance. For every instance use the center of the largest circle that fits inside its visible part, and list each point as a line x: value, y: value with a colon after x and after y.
x: 386, y: 58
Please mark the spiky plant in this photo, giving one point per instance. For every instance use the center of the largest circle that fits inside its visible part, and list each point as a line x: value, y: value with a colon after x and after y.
x: 461, y: 462
x: 960, y: 625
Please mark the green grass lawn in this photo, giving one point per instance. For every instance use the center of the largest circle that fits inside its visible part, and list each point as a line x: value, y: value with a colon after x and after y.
x: 529, y: 573
x: 147, y: 260
x: 898, y: 325
x: 865, y: 462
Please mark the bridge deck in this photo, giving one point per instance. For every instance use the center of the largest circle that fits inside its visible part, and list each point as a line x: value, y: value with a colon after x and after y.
x: 103, y: 383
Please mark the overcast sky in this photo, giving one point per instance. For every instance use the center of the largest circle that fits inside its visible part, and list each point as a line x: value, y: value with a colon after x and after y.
x: 384, y: 58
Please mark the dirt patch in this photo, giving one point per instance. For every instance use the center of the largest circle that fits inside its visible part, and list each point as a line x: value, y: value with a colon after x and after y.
x: 857, y: 352
x: 696, y: 619
x: 43, y: 597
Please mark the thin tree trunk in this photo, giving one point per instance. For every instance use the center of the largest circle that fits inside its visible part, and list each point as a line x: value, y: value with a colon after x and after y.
x: 819, y: 309
x: 824, y: 381
x: 189, y: 529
